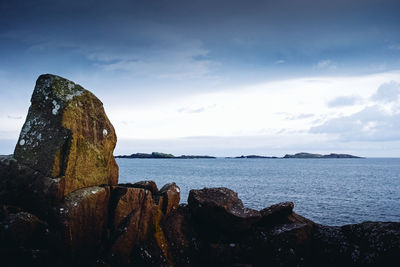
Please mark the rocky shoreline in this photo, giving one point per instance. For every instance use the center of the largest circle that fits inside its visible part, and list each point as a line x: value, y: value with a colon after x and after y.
x: 61, y: 204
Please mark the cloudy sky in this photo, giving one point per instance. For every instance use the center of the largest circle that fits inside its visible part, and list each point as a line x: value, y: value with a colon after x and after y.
x: 221, y: 77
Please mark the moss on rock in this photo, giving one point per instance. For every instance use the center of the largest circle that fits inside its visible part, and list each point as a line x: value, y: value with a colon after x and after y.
x: 68, y: 136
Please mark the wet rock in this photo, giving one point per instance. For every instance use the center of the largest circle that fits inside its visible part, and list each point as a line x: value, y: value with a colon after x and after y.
x: 67, y: 136
x: 221, y: 208
x: 82, y: 220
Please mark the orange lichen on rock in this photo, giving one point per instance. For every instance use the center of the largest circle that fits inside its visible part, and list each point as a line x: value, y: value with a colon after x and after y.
x: 67, y: 135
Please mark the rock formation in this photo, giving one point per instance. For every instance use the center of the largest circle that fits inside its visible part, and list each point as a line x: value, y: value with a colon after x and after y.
x: 67, y: 136
x: 60, y: 204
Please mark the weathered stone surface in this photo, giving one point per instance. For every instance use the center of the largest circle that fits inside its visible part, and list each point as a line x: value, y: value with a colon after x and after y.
x: 133, y: 219
x: 149, y: 185
x: 365, y: 244
x: 24, y: 187
x: 182, y: 238
x: 137, y: 227
x: 22, y: 229
x: 67, y: 136
x: 24, y: 238
x: 277, y: 213
x: 221, y: 208
x: 83, y: 218
x: 170, y: 194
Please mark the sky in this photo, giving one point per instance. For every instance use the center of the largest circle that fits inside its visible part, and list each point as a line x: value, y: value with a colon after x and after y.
x: 221, y: 77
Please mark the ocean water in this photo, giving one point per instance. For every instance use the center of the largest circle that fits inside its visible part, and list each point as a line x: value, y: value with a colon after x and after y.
x: 328, y: 191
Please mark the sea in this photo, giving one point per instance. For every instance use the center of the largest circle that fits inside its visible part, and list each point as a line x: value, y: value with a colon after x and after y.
x: 327, y: 191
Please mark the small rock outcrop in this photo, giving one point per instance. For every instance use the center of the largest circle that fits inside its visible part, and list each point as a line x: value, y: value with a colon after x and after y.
x: 220, y: 207
x: 67, y: 136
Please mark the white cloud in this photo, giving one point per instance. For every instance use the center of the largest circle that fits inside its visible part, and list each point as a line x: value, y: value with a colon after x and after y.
x: 266, y: 108
x: 301, y: 116
x: 370, y: 124
x: 377, y: 121
x: 387, y: 92
x: 196, y: 109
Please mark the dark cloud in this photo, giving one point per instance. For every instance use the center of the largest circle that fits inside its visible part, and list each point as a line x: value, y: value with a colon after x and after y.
x: 254, y: 34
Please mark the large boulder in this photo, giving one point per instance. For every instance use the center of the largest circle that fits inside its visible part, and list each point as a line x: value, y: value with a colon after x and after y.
x: 222, y: 209
x: 67, y: 136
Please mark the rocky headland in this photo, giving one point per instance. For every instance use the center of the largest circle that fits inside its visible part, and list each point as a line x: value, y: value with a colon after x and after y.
x: 61, y: 205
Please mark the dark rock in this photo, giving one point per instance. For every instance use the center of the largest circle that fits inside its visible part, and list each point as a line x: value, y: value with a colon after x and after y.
x: 170, y: 194
x: 133, y: 220
x: 149, y: 185
x: 137, y: 224
x: 182, y: 238
x: 22, y: 229
x: 365, y: 244
x: 221, y: 208
x: 22, y: 186
x: 276, y: 214
x: 24, y: 239
x: 83, y: 218
x: 67, y: 136
x: 329, y: 247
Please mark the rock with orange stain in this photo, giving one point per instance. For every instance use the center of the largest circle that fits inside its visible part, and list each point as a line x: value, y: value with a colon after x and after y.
x: 136, y: 226
x: 67, y: 136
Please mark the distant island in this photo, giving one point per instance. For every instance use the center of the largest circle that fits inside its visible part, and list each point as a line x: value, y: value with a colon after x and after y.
x: 252, y: 157
x: 301, y: 155
x: 158, y: 155
x: 304, y: 155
